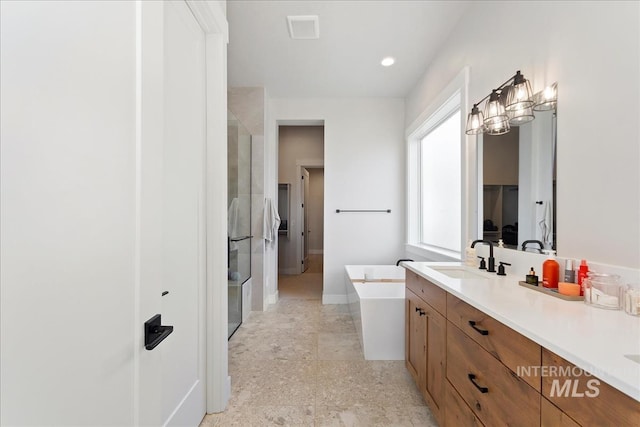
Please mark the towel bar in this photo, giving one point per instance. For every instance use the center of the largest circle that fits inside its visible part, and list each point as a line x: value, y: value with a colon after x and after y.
x: 363, y: 210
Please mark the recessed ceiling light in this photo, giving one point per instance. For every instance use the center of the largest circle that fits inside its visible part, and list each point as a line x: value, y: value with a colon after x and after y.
x: 388, y: 61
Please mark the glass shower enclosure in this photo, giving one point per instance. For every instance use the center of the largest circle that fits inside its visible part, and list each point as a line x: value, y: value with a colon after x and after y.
x: 239, y: 216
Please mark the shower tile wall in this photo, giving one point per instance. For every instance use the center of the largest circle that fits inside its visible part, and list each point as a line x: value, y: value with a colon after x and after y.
x: 239, y: 219
x: 248, y: 105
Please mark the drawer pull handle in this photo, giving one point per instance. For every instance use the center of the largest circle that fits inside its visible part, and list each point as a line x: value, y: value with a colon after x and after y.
x: 472, y: 378
x: 480, y: 331
x: 421, y: 311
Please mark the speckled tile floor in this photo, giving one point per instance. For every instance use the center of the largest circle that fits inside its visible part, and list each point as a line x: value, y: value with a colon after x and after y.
x: 300, y: 364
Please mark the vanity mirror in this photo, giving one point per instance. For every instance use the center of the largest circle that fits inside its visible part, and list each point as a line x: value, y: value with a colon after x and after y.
x: 517, y: 180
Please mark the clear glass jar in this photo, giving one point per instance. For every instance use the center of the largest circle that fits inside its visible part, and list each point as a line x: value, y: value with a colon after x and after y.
x: 602, y: 290
x: 631, y: 299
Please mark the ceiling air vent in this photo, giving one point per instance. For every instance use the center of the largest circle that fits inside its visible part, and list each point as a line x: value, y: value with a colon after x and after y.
x: 303, y: 27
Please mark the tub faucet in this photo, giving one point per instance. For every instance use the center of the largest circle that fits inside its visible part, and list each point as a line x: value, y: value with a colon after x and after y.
x: 404, y: 259
x: 538, y: 242
x: 491, y: 268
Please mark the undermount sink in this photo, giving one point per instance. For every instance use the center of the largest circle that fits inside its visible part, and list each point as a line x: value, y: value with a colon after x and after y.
x: 458, y: 273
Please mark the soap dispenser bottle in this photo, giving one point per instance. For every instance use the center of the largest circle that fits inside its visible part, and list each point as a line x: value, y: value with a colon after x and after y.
x: 470, y: 256
x: 550, y: 271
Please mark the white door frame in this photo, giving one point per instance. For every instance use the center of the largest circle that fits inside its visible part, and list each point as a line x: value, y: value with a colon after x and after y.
x: 212, y: 19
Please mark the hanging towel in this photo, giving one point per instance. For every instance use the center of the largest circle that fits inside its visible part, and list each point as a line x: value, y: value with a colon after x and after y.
x: 233, y: 216
x: 271, y: 220
x: 545, y: 225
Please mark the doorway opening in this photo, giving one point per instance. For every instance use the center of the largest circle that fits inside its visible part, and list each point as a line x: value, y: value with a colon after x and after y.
x: 301, y: 210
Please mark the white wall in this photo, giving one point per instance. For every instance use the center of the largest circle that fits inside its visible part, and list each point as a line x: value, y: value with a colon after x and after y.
x: 364, y: 169
x: 592, y: 49
x: 298, y: 146
x: 316, y: 210
x: 68, y: 151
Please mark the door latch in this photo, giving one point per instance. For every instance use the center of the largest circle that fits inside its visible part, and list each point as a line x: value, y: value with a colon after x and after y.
x: 154, y: 332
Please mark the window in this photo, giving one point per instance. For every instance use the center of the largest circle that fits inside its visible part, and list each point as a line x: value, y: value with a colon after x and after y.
x: 437, y: 171
x: 440, y: 185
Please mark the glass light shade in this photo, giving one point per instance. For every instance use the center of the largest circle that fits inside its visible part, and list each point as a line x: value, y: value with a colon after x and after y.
x: 497, y: 126
x: 520, y: 116
x: 475, y: 122
x: 520, y: 95
x: 494, y: 110
x: 546, y: 99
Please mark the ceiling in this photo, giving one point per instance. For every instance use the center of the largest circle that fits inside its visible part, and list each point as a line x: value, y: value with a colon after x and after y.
x: 345, y: 60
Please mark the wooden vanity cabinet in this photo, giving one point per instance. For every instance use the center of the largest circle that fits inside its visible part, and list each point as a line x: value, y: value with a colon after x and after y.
x: 466, y: 365
x: 584, y: 398
x: 436, y: 361
x: 415, y: 339
x: 432, y: 294
x: 456, y: 412
x: 495, y: 394
x: 508, y: 346
x: 551, y: 416
x: 425, y: 341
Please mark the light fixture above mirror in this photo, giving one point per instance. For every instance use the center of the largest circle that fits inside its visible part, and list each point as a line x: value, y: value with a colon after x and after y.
x: 496, y: 120
x: 511, y: 104
x: 546, y: 99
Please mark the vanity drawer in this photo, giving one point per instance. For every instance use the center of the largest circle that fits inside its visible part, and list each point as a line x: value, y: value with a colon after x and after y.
x: 457, y: 413
x: 551, y: 416
x: 432, y: 294
x: 505, y: 344
x: 585, y: 398
x: 506, y: 400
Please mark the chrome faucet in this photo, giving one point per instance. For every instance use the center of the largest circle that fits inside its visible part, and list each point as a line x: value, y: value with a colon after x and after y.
x: 538, y: 242
x: 491, y: 268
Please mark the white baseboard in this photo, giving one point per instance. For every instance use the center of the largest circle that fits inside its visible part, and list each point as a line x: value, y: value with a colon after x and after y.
x: 334, y: 299
x: 246, y: 299
x: 316, y: 251
x: 289, y: 271
x: 273, y: 298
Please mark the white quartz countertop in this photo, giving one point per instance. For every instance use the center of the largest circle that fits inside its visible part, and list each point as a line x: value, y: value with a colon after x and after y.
x: 593, y: 339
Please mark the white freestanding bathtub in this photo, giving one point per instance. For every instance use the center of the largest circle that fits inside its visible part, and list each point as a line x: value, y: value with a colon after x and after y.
x: 377, y: 308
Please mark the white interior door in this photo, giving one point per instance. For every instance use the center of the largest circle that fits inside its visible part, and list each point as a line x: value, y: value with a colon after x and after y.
x: 183, y: 213
x: 171, y: 382
x: 170, y: 386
